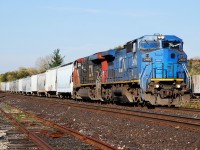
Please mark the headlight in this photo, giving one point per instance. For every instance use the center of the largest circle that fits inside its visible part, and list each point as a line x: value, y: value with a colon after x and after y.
x: 161, y: 37
x: 157, y: 86
x: 182, y: 60
x: 178, y: 86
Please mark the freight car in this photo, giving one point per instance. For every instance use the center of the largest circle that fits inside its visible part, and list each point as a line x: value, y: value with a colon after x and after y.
x: 3, y: 86
x: 8, y: 86
x: 19, y: 91
x: 64, y: 80
x: 13, y: 86
x: 41, y: 80
x: 34, y: 82
x: 196, y: 86
x: 50, y: 83
x: 26, y: 86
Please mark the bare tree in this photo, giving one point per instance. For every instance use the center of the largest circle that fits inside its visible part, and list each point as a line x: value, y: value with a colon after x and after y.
x: 42, y: 63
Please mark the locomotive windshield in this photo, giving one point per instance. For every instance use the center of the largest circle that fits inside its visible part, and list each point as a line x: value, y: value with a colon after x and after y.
x: 149, y: 45
x: 172, y: 45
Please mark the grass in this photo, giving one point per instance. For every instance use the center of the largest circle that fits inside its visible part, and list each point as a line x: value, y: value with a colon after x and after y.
x: 19, y: 116
x: 7, y: 107
x: 192, y: 105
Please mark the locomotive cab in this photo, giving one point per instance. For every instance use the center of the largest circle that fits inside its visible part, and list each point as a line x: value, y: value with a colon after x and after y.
x: 164, y: 78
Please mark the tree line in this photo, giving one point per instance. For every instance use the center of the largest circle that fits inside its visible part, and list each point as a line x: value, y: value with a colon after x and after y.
x: 55, y: 59
x: 194, y: 66
x: 42, y: 63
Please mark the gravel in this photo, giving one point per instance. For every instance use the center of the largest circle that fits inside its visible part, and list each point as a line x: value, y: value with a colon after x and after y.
x: 11, y: 138
x: 119, y: 132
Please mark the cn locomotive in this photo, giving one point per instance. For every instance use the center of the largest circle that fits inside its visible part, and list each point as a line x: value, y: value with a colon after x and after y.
x: 150, y: 70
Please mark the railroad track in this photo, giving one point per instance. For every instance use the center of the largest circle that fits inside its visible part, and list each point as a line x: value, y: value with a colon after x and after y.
x: 12, y: 138
x: 30, y: 134
x: 197, y: 100
x: 182, y: 109
x: 188, y: 123
x: 62, y: 130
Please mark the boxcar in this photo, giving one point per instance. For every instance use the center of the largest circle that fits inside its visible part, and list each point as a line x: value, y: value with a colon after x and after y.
x: 41, y: 84
x: 64, y: 80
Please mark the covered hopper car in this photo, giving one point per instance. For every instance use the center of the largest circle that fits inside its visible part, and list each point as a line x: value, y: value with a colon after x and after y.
x: 196, y: 86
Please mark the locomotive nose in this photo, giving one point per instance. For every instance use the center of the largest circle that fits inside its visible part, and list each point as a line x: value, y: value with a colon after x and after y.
x: 164, y: 63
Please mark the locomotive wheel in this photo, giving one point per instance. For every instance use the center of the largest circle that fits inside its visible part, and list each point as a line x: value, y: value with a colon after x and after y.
x: 143, y: 103
x: 150, y: 106
x: 136, y: 103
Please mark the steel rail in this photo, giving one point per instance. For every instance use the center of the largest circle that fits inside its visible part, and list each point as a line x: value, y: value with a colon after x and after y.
x: 116, y: 110
x: 192, y: 123
x: 32, y: 136
x: 87, y: 139
x: 184, y: 122
x: 182, y: 109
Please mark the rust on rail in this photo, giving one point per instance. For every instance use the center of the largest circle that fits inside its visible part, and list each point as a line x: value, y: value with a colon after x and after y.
x: 87, y: 139
x: 32, y: 136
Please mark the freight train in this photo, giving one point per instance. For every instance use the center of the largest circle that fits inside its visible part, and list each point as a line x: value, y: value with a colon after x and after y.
x: 150, y: 70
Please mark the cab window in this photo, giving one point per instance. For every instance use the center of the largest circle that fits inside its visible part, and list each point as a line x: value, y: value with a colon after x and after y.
x: 149, y: 45
x: 172, y: 45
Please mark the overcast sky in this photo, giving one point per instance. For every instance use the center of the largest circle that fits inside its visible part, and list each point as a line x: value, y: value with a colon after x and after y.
x: 30, y: 29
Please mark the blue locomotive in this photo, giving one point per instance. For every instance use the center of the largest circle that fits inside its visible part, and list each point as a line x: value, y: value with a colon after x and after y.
x: 149, y: 70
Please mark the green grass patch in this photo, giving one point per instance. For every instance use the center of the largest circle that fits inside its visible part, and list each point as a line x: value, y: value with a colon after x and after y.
x: 19, y: 116
x: 7, y: 107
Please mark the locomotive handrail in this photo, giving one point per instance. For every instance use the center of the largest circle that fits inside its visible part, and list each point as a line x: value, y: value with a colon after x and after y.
x: 188, y: 75
x: 142, y: 77
x: 154, y: 67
